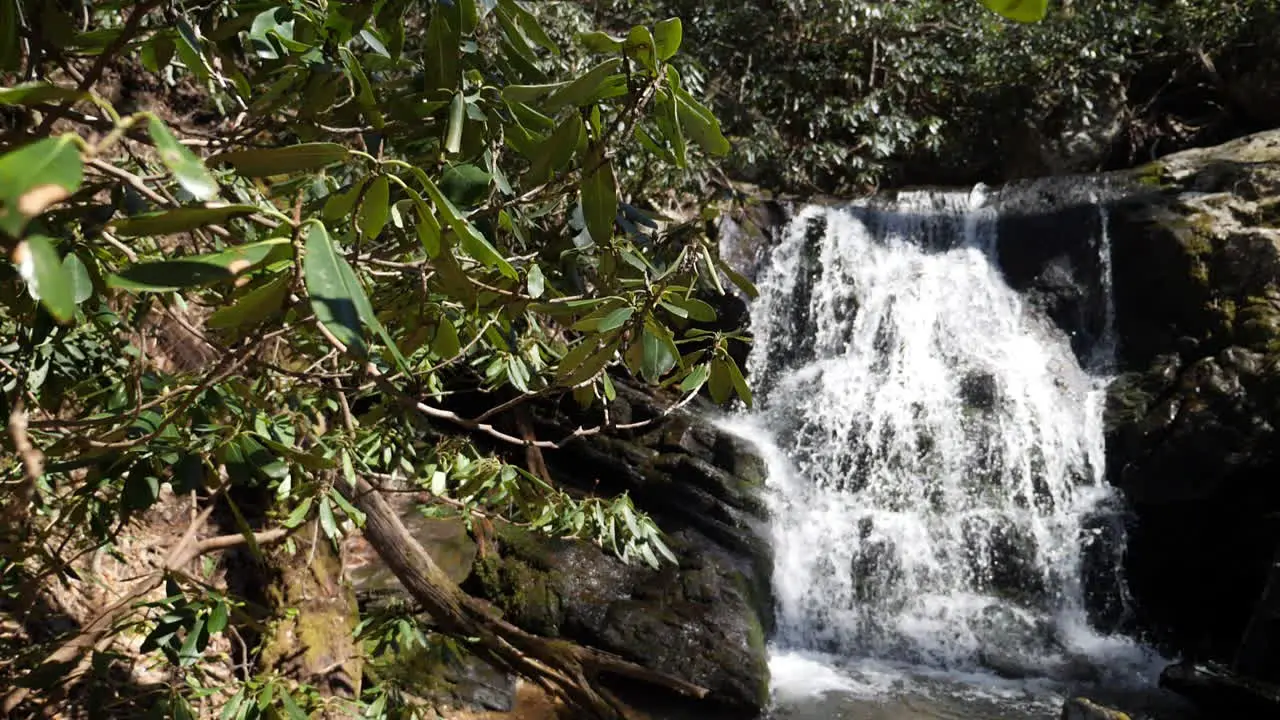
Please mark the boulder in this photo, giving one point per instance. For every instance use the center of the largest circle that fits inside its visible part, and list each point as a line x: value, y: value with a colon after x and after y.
x: 1220, y: 693
x: 703, y: 619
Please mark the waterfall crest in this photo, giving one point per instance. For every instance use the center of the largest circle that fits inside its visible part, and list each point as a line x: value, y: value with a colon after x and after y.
x: 941, y: 447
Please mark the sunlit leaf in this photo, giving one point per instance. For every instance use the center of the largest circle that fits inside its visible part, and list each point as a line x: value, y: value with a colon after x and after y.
x: 187, y: 169
x: 34, y: 93
x: 196, y: 270
x: 261, y: 162
x: 35, y: 177
x: 667, y: 35
x: 332, y: 299
x: 256, y: 305
x: 375, y: 207
x: 181, y: 219
x: 48, y: 280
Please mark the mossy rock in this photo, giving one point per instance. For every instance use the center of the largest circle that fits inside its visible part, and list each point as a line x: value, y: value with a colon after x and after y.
x: 311, y: 637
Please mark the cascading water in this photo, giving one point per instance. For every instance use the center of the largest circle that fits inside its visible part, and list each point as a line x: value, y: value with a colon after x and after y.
x: 938, y: 447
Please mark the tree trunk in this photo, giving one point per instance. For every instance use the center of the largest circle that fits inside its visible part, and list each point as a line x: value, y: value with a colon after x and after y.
x: 569, y: 671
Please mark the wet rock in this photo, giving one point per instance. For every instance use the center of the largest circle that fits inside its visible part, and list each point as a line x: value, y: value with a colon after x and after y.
x: 1191, y: 421
x: 695, y: 621
x: 1086, y: 709
x: 1218, y: 693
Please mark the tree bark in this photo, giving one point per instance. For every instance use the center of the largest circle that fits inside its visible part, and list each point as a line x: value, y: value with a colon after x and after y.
x: 569, y: 671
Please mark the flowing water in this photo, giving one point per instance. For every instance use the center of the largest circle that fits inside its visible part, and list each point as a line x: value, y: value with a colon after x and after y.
x: 936, y: 471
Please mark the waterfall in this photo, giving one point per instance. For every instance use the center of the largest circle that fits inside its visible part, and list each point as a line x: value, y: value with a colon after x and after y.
x: 937, y: 448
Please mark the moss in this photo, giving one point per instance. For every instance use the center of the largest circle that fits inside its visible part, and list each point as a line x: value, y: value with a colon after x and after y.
x: 524, y: 594
x: 1153, y: 174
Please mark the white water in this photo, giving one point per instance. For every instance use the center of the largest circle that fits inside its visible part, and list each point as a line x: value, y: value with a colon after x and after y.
x: 935, y: 450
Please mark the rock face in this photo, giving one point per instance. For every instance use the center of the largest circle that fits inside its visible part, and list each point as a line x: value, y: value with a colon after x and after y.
x: 703, y: 620
x: 1193, y: 418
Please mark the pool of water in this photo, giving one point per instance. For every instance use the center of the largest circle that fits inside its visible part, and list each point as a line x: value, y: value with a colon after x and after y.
x: 810, y: 686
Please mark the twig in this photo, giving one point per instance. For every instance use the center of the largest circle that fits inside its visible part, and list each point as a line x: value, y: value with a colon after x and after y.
x: 126, y: 34
x: 182, y: 553
x: 32, y: 460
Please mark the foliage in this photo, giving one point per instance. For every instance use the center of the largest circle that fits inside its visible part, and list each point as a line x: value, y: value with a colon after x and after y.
x: 839, y: 96
x: 384, y: 229
x: 262, y: 249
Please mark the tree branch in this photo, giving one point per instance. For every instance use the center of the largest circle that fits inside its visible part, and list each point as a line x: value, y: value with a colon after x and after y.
x: 571, y: 672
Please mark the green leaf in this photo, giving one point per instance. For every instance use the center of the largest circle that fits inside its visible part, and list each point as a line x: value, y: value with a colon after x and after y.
x: 529, y: 24
x: 701, y: 125
x: 469, y: 14
x: 465, y: 185
x: 580, y: 91
x: 574, y: 370
x: 695, y: 118
x: 217, y: 618
x: 443, y: 44
x: 695, y: 379
x: 1024, y: 11
x: 327, y: 521
x: 365, y: 97
x: 365, y: 310
x: 599, y: 197
x: 36, y: 176
x: 375, y: 208
x: 693, y: 308
x: 157, y: 53
x: 658, y: 357
x: 536, y: 282
x: 191, y: 651
x: 261, y: 162
x: 339, y: 204
x: 667, y: 35
x: 191, y: 51
x: 233, y: 705
x: 721, y: 385
x: 48, y: 280
x: 530, y: 93
x: 600, y: 42
x: 428, y: 229
x: 256, y: 305
x: 197, y: 270
x: 640, y: 45
x: 78, y: 274
x: 332, y: 298
x: 185, y: 166
x: 737, y: 278
x: 351, y: 511
x: 291, y: 707
x: 180, y: 219
x: 445, y: 344
x: 33, y: 93
x: 457, y: 116
x: 299, y: 513
x: 472, y: 242
x: 554, y: 153
x: 615, y: 319
x: 739, y: 382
